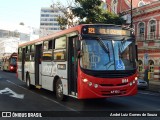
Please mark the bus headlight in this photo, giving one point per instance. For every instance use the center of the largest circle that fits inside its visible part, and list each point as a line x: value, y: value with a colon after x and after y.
x: 130, y: 83
x: 96, y: 85
x: 134, y: 81
x: 136, y: 78
x: 85, y: 80
x: 90, y: 83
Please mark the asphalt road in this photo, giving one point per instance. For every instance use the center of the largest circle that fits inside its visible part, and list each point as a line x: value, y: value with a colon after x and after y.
x: 14, y: 96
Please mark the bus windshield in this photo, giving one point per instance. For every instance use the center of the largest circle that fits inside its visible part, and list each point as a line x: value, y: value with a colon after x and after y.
x: 98, y: 54
x: 13, y: 61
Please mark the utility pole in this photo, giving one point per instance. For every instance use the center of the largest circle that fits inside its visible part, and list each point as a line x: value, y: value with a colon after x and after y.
x: 131, y: 16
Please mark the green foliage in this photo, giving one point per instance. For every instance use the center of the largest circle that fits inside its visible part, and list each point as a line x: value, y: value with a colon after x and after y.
x: 65, y: 20
x: 92, y: 12
x: 62, y: 21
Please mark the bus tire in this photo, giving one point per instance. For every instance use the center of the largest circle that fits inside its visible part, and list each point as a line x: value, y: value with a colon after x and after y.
x: 29, y: 86
x: 59, y: 90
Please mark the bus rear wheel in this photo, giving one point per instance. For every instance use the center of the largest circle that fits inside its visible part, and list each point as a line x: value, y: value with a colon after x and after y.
x: 59, y: 90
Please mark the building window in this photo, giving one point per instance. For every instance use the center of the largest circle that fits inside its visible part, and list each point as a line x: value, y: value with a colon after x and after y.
x: 114, y: 6
x: 104, y: 5
x: 152, y: 29
x: 140, y: 65
x: 141, y: 31
x: 151, y: 66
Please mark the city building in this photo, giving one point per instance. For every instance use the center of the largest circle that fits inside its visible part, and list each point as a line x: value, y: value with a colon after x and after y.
x: 146, y: 23
x: 48, y: 20
x: 146, y: 20
x: 122, y: 7
x: 119, y: 6
x: 12, y: 35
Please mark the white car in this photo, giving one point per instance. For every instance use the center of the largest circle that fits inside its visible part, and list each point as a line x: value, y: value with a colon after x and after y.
x: 142, y: 84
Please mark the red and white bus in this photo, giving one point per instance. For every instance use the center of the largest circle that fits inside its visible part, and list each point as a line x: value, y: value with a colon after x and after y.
x: 9, y: 62
x: 86, y: 61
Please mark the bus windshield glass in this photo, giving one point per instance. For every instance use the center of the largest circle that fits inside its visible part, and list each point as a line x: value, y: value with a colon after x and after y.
x: 13, y: 61
x: 98, y: 54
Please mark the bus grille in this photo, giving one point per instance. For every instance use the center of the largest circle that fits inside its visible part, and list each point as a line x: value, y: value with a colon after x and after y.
x: 113, y: 75
x: 110, y: 74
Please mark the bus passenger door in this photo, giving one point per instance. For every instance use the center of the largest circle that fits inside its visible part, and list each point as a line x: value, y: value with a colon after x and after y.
x: 72, y: 65
x: 38, y: 56
x: 23, y: 62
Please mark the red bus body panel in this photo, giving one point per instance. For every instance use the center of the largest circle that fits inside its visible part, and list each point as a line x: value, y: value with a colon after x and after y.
x: 105, y: 86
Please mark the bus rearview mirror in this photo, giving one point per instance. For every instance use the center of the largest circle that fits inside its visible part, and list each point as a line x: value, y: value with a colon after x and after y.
x: 80, y: 54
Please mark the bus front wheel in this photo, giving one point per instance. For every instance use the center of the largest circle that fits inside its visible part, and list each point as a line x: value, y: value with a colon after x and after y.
x: 59, y: 90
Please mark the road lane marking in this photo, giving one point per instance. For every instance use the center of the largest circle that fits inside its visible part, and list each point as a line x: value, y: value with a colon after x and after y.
x: 43, y: 96
x: 153, y: 94
x: 11, y: 93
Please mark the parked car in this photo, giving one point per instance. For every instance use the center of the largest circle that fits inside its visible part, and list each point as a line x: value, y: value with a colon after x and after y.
x: 142, y: 84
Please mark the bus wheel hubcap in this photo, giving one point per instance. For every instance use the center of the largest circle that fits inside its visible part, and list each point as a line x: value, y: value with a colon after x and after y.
x: 59, y: 90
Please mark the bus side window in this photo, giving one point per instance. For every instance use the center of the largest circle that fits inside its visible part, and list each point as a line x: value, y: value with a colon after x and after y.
x: 47, y: 50
x: 32, y: 52
x: 20, y: 54
x: 45, y: 45
x: 50, y: 44
x: 27, y: 57
x: 60, y: 49
x: 60, y: 43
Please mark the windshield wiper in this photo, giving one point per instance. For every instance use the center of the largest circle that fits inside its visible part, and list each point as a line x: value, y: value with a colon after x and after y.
x: 121, y: 46
x: 105, y: 48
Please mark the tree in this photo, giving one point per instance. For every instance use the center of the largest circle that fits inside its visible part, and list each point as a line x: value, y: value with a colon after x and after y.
x: 87, y: 11
x: 90, y: 11
x: 67, y: 19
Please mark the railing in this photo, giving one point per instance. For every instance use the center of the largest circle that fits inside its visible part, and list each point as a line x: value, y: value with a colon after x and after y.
x: 151, y: 37
x: 141, y: 37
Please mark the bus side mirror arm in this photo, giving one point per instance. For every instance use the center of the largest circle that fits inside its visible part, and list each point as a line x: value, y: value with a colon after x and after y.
x: 80, y: 54
x: 78, y: 45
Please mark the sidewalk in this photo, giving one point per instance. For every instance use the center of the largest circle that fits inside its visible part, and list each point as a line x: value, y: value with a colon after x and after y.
x: 154, y: 86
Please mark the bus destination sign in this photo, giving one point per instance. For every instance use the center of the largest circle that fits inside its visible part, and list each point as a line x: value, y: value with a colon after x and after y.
x: 105, y: 31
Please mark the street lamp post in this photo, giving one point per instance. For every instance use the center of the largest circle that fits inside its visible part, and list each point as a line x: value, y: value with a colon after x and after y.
x: 131, y: 16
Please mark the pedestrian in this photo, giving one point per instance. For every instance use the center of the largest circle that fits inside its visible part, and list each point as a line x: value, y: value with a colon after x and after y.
x: 146, y: 76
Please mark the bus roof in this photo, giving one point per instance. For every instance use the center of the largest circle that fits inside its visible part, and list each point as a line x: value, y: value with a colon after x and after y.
x: 73, y: 29
x: 78, y: 28
x: 10, y: 55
